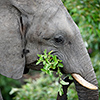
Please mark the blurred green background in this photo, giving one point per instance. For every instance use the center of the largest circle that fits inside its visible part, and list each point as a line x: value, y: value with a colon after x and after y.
x: 86, y: 14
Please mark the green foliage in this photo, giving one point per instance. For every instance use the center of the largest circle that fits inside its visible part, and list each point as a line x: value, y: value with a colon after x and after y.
x: 51, y: 63
x: 6, y: 84
x: 43, y: 88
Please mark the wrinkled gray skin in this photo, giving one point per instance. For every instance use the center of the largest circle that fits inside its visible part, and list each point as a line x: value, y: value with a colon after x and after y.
x: 28, y: 27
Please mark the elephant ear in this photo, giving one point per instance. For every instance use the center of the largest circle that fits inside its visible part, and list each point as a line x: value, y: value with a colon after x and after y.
x: 11, y: 61
x: 26, y: 7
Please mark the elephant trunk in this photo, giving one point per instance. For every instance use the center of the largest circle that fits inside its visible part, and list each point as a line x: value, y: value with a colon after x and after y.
x: 85, y: 93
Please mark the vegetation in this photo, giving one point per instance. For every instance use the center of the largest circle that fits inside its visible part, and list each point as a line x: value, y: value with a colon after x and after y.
x: 39, y: 89
x: 43, y: 88
x: 51, y: 63
x: 6, y: 85
x: 86, y: 14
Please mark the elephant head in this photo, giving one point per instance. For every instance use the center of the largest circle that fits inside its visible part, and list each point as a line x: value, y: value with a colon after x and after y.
x: 28, y: 27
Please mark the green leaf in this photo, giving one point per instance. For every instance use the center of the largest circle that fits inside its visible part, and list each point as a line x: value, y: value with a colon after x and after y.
x: 45, y: 56
x: 13, y: 90
x: 49, y: 72
x: 45, y: 52
x: 60, y: 90
x: 38, y: 62
x: 54, y: 58
x: 47, y: 61
x: 60, y: 65
x: 38, y: 55
x: 41, y: 58
x: 43, y: 70
x: 44, y: 62
x: 63, y: 82
x: 51, y: 56
x: 53, y: 67
x: 55, y: 63
x: 50, y: 52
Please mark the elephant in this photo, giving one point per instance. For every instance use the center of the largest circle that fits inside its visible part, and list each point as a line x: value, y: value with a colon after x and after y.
x: 28, y: 27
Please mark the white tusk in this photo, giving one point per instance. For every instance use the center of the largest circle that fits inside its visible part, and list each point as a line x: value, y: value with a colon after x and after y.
x: 83, y: 82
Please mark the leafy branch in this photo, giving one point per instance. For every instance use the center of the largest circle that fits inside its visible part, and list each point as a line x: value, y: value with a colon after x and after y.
x: 50, y: 63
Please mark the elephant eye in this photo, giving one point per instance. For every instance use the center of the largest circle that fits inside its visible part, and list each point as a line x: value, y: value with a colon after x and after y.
x: 59, y: 39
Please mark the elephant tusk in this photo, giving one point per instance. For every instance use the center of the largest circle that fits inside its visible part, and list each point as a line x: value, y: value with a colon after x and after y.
x: 83, y: 82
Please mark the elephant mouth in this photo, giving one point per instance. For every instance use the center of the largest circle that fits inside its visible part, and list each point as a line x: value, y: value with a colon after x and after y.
x: 33, y: 66
x: 76, y: 76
